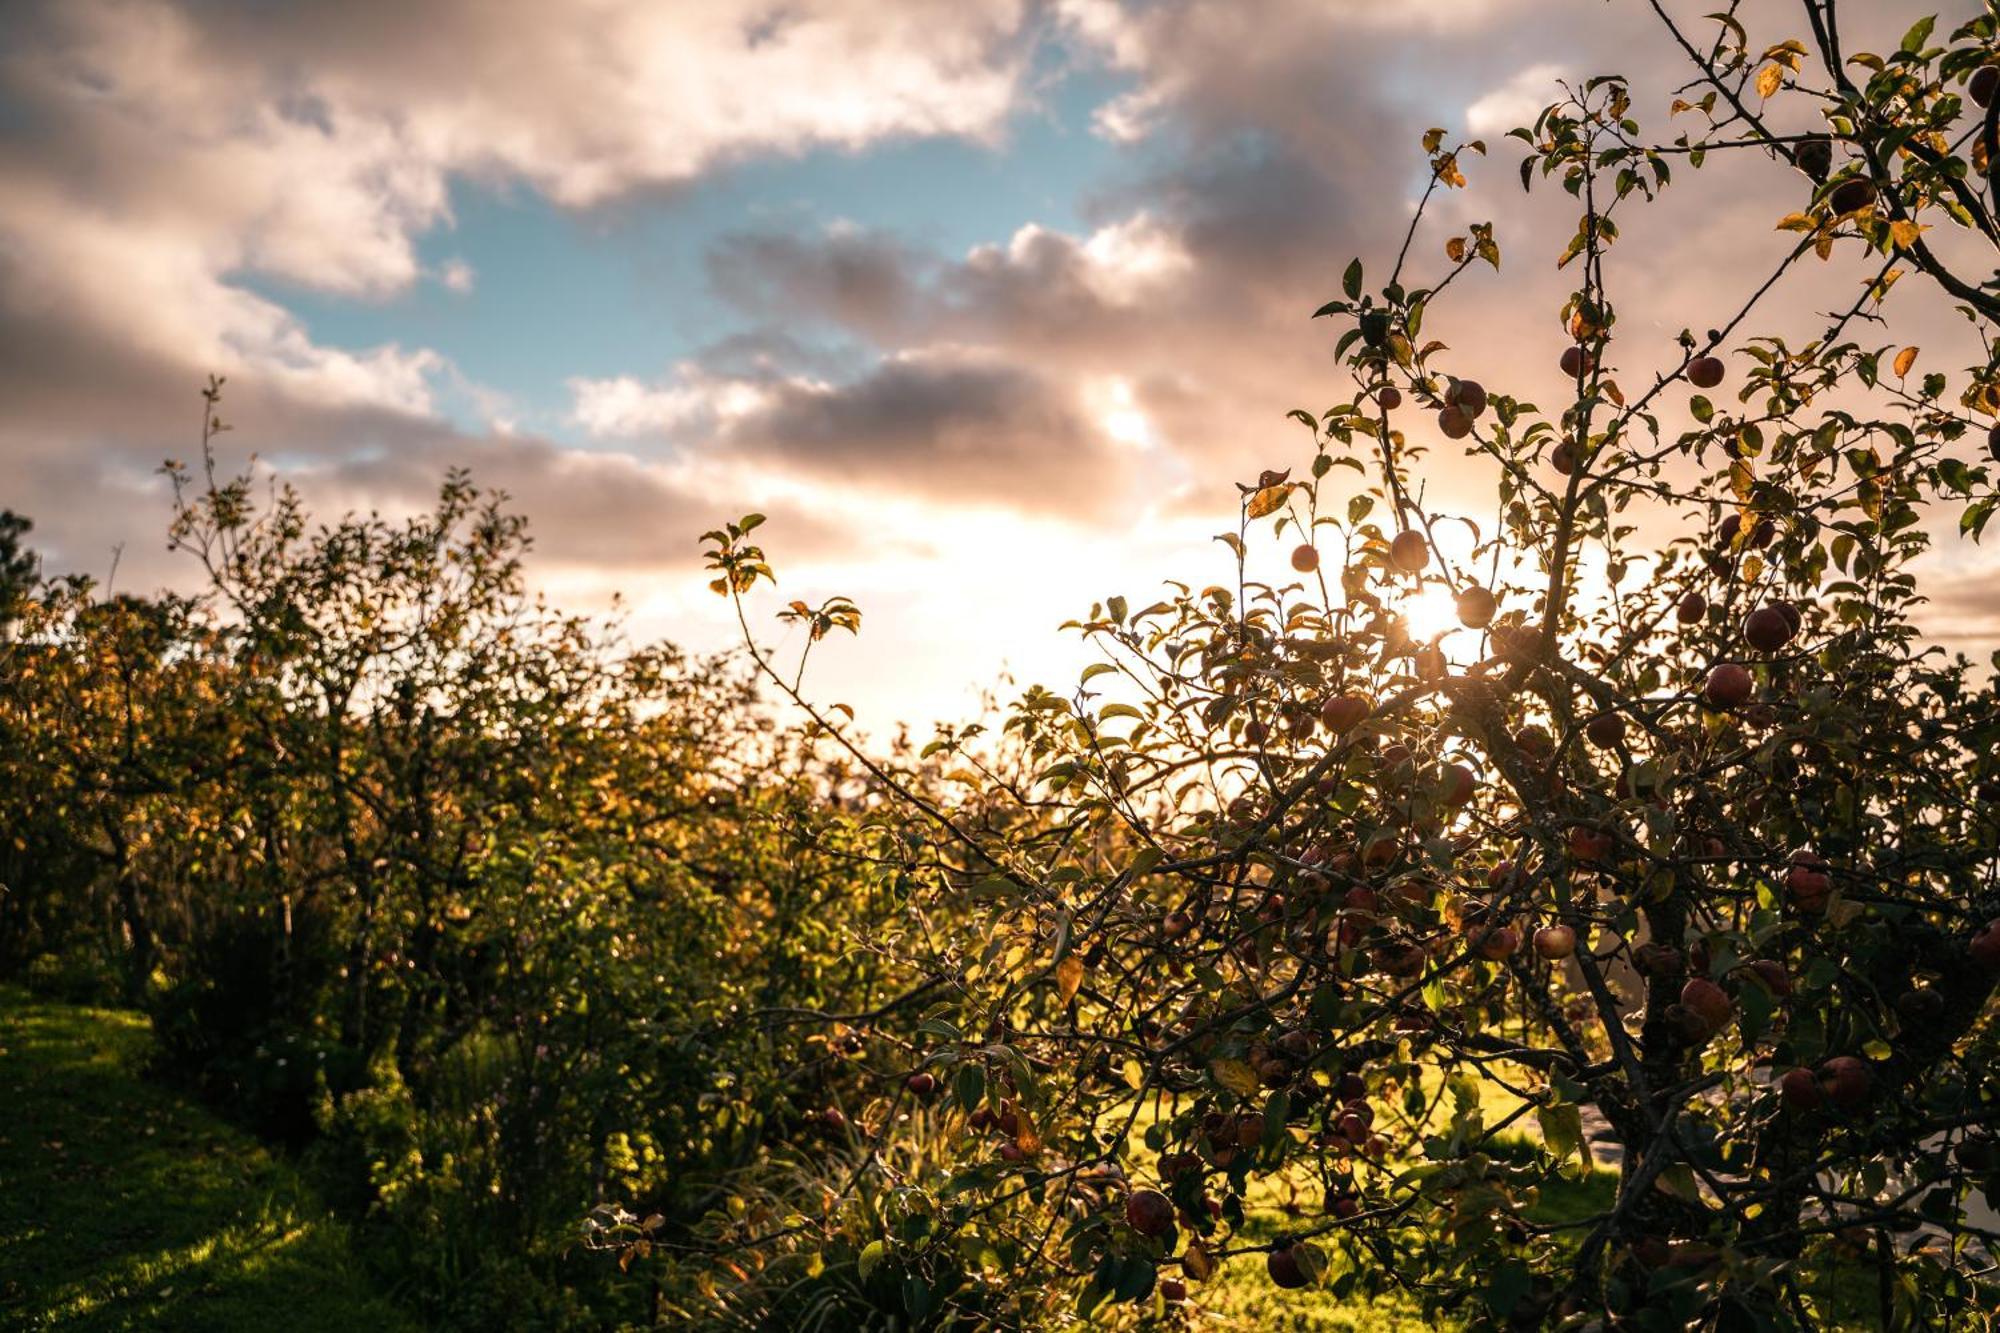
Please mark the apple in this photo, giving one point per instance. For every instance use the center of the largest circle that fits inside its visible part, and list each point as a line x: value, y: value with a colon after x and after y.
x: 1654, y: 959
x: 1589, y: 844
x: 1501, y: 872
x: 1469, y: 396
x: 1555, y: 942
x: 1605, y: 730
x: 1846, y: 1081
x: 1342, y: 713
x: 1305, y: 559
x: 1993, y: 443
x: 1982, y: 83
x: 1852, y: 195
x: 1692, y: 608
x: 1985, y: 946
x: 1495, y: 942
x: 1454, y: 422
x: 1409, y: 552
x: 1705, y: 372
x: 833, y: 1119
x: 1352, y: 1087
x: 1768, y: 629
x: 1476, y: 606
x: 1389, y: 396
x: 1285, y: 1268
x: 1728, y: 685
x: 1564, y: 458
x: 1799, y: 1090
x: 1534, y: 742
x: 1806, y: 879
x: 1255, y: 732
x: 1149, y: 1212
x: 1458, y: 785
x: 922, y: 1083
x: 1771, y: 974
x: 1708, y: 1002
x: 1172, y: 1290
x: 1814, y: 156
x: 1575, y: 362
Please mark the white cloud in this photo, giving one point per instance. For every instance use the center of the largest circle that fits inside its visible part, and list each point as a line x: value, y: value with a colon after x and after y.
x: 1515, y: 102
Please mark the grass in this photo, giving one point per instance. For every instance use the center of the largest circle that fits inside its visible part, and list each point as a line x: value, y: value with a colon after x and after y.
x: 123, y: 1206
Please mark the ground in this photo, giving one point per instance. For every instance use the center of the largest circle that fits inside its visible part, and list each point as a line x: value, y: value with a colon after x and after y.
x: 125, y: 1206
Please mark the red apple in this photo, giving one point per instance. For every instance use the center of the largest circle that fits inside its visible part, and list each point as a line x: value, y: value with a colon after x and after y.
x: 1149, y: 1212
x: 1476, y: 607
x: 1605, y: 730
x: 1705, y: 372
x: 1496, y: 942
x: 1985, y: 945
x: 1852, y: 195
x: 1807, y: 881
x: 1172, y: 1290
x: 1708, y: 1002
x: 1846, y: 1081
x: 1389, y: 396
x: 1768, y: 629
x: 1799, y: 1090
x: 1692, y: 608
x: 1564, y: 458
x: 1457, y: 786
x: 1345, y: 712
x: 1285, y: 1268
x: 1771, y: 974
x: 1555, y: 942
x: 1589, y: 844
x: 1409, y: 552
x: 1575, y: 362
x: 1305, y: 559
x: 922, y: 1083
x: 1982, y: 83
x: 1469, y: 396
x: 1728, y: 685
x: 1454, y: 422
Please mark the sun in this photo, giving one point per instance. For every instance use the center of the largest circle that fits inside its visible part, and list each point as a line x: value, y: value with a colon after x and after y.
x: 1431, y: 612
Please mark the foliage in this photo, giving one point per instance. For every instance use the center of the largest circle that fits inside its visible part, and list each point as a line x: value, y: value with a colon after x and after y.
x: 1294, y: 899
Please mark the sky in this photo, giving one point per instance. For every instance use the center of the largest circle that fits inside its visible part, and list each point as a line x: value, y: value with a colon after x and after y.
x: 986, y: 304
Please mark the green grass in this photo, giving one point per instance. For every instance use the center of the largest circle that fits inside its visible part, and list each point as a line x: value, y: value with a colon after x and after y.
x: 123, y: 1206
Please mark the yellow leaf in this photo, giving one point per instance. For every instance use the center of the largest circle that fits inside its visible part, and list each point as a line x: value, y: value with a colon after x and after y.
x: 1905, y: 233
x: 1069, y: 975
x: 1269, y: 500
x: 1768, y: 79
x: 1454, y: 249
x: 1904, y: 360
x: 1234, y: 1075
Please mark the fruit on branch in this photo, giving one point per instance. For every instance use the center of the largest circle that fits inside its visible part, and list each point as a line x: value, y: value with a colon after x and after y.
x: 1589, y: 844
x: 1653, y: 959
x: 1852, y: 195
x: 1149, y: 1212
x: 1286, y: 1267
x: 1691, y: 609
x: 1564, y: 458
x: 1476, y: 606
x: 1814, y: 156
x: 1846, y: 1080
x: 1708, y: 1002
x: 1555, y: 943
x: 1728, y: 685
x: 1705, y: 372
x: 1343, y: 713
x: 1768, y: 628
x: 1469, y: 396
x: 1982, y: 83
x: 1454, y: 423
x: 1305, y: 559
x: 1605, y: 730
x: 1389, y: 396
x: 1575, y: 362
x: 1172, y: 1290
x: 1985, y: 946
x: 1806, y: 879
x: 922, y: 1083
x: 1800, y: 1091
x: 1534, y: 741
x: 1771, y: 974
x: 1255, y: 732
x: 1458, y: 785
x: 1494, y: 942
x: 1409, y: 552
x: 1993, y: 435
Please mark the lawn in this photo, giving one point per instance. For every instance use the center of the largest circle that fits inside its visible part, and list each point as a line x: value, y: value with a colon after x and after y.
x: 124, y: 1206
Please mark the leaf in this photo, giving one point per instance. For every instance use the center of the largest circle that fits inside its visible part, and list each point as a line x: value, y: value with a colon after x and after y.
x: 1234, y: 1075
x: 1069, y: 976
x: 1350, y: 281
x: 1454, y: 249
x: 1904, y: 360
x: 1769, y: 79
x: 871, y: 1258
x: 1562, y: 1130
x: 1197, y: 1263
x: 1268, y: 501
